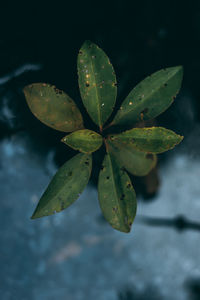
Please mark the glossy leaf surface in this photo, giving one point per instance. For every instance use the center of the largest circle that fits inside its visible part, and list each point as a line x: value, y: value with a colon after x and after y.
x: 53, y: 107
x: 151, y: 140
x: 85, y: 140
x: 116, y: 195
x: 97, y: 82
x: 150, y: 97
x: 65, y: 187
x: 135, y: 162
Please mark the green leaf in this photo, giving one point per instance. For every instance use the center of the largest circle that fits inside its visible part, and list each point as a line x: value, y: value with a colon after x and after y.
x: 53, y: 107
x: 150, y: 97
x: 97, y: 82
x: 116, y: 195
x: 151, y: 140
x: 66, y: 186
x: 85, y: 140
x: 135, y: 162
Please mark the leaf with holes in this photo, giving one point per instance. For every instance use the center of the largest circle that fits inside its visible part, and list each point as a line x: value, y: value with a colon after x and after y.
x: 135, y: 162
x: 86, y: 141
x: 150, y: 97
x: 53, y: 107
x: 151, y: 140
x: 66, y: 185
x: 132, y: 151
x: 97, y: 82
x: 116, y: 195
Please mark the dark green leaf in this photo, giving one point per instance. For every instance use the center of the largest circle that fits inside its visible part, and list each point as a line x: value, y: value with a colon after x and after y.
x: 53, y: 107
x: 66, y: 185
x: 85, y: 140
x: 97, y: 82
x: 116, y: 195
x: 135, y: 162
x: 151, y: 140
x: 150, y: 97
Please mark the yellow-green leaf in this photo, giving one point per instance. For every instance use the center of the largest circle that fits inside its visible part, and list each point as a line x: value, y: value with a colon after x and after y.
x: 135, y: 162
x: 85, y: 140
x: 53, y: 107
x: 151, y: 140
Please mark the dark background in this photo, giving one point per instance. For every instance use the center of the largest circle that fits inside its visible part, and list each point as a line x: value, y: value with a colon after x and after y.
x: 39, y: 42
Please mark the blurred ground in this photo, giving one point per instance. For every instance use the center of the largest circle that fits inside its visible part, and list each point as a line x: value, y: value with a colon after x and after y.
x: 76, y: 255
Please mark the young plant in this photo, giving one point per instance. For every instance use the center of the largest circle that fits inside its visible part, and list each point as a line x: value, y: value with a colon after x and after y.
x: 132, y: 151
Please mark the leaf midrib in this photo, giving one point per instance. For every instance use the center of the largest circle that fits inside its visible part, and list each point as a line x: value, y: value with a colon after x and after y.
x: 62, y: 188
x: 113, y: 181
x: 97, y: 95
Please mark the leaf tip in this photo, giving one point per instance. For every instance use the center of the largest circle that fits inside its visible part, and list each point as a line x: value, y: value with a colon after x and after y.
x: 34, y: 216
x: 87, y: 44
x: 180, y: 138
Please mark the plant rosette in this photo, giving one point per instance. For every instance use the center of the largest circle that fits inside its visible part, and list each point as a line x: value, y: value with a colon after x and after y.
x: 132, y: 151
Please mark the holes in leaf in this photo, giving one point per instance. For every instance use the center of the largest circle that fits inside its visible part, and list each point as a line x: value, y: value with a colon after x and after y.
x: 86, y: 163
x: 122, y: 169
x: 58, y: 92
x: 165, y: 84
x: 149, y: 156
x: 115, y: 209
x: 128, y: 186
x: 87, y: 84
x: 102, y: 167
x: 122, y: 197
x: 80, y: 52
x: 93, y: 56
x: 145, y: 111
x: 62, y: 205
x: 108, y: 177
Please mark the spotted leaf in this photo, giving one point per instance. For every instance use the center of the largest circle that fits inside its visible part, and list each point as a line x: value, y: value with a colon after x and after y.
x: 135, y: 162
x: 97, y: 82
x: 150, y: 97
x: 85, y: 140
x: 116, y: 195
x: 65, y: 187
x: 151, y: 140
x: 53, y: 107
